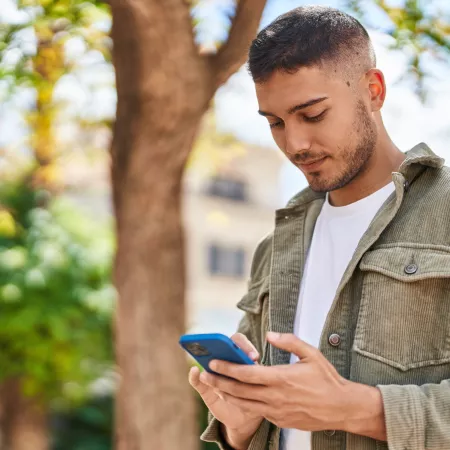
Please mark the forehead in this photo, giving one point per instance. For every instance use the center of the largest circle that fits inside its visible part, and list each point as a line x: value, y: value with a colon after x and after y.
x: 283, y: 90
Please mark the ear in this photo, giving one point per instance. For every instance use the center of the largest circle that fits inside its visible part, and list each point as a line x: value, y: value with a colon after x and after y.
x: 377, y: 88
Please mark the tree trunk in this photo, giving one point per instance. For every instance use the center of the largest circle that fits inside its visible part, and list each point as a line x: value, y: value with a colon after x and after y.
x: 152, y: 140
x: 2, y: 418
x: 164, y: 87
x: 156, y: 405
x: 25, y: 420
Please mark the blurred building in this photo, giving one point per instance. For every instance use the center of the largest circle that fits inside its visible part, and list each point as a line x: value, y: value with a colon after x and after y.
x: 227, y: 211
x: 226, y: 214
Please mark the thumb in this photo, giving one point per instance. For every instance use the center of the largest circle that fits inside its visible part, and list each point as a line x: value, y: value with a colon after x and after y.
x: 292, y: 344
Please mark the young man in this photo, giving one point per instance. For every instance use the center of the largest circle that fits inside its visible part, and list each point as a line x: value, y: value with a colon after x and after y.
x: 355, y: 279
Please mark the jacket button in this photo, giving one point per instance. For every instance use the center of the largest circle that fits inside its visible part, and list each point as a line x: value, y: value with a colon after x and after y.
x: 406, y: 185
x: 334, y: 339
x: 329, y: 432
x: 411, y: 268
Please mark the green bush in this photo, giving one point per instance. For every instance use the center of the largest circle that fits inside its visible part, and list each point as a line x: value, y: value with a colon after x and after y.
x: 56, y: 298
x: 87, y: 427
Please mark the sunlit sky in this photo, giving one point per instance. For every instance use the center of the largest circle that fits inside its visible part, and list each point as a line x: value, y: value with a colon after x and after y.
x: 407, y: 120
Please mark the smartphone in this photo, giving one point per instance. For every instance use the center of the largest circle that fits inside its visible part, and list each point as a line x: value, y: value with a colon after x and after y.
x: 206, y: 347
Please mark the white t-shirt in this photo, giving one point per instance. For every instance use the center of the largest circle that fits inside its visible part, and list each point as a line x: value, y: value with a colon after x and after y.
x: 337, y: 233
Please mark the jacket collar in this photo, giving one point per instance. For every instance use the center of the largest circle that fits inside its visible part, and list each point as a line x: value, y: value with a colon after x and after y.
x: 423, y: 155
x: 417, y: 159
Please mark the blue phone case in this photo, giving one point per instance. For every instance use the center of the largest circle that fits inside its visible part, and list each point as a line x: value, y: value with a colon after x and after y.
x: 218, y: 346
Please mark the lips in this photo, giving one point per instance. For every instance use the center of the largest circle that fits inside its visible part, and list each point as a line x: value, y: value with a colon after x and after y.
x: 313, y: 165
x: 311, y: 162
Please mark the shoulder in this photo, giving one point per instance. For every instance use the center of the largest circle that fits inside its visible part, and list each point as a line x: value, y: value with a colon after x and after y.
x: 435, y: 182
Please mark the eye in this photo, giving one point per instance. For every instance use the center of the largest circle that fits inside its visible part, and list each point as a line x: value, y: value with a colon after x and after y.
x: 316, y: 118
x: 276, y: 124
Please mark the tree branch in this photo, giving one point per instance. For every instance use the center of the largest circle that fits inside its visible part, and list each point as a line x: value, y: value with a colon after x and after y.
x: 233, y: 53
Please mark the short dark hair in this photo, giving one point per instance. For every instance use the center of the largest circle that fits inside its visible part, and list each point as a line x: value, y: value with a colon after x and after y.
x: 309, y: 36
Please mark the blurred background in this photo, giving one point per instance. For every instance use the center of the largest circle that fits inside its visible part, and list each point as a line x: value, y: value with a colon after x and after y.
x: 59, y: 219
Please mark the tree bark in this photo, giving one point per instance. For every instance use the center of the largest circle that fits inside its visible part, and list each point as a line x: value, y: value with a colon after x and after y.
x: 25, y: 420
x: 164, y: 87
x: 2, y: 417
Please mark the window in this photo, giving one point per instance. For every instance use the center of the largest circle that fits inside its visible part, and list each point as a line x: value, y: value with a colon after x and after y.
x: 226, y: 261
x: 226, y: 188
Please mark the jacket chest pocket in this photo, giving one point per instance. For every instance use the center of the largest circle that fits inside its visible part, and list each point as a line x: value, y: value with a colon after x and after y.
x: 256, y: 306
x: 404, y: 315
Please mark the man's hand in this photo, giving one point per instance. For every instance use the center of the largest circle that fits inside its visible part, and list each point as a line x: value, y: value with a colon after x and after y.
x: 240, y: 424
x: 309, y: 395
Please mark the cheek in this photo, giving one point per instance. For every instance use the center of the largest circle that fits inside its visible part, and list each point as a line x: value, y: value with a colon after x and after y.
x: 336, y: 132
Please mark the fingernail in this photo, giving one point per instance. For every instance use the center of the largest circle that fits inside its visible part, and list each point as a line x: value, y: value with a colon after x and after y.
x: 253, y: 355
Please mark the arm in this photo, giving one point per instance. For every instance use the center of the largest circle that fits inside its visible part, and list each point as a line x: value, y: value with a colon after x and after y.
x: 417, y: 417
x: 407, y: 416
x: 365, y: 411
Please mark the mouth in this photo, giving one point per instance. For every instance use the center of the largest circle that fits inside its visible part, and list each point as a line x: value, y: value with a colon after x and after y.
x: 313, y: 165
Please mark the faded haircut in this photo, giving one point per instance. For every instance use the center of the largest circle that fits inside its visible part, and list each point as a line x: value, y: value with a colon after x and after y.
x: 311, y: 36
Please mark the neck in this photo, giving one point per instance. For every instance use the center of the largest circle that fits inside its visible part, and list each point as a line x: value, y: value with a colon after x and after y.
x: 386, y: 159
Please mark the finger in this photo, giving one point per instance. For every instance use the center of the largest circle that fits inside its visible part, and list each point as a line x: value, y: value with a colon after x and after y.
x: 195, y: 382
x: 255, y: 408
x: 252, y: 374
x: 234, y: 387
x: 244, y: 343
x: 203, y: 389
x: 292, y: 344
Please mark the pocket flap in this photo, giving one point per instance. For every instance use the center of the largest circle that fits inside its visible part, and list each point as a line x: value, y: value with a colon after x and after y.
x: 252, y: 300
x: 408, y: 264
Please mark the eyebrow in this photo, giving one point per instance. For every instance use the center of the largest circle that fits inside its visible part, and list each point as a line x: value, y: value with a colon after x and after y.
x: 296, y: 108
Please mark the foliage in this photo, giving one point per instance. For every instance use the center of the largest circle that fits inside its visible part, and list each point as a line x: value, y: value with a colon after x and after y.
x: 53, y: 21
x: 36, y: 54
x: 56, y: 298
x: 417, y: 28
x: 420, y: 31
x: 86, y: 427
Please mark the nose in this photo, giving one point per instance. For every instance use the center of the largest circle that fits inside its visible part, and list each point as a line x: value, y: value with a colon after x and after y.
x: 298, y: 143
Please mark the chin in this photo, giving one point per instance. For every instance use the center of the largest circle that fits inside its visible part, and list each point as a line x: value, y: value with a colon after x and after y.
x: 319, y: 189
x: 319, y: 184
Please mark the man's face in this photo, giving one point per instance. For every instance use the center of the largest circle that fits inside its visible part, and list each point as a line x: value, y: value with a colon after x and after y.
x: 313, y: 115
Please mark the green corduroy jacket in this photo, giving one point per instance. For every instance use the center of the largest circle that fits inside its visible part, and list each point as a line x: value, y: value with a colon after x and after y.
x: 391, y: 309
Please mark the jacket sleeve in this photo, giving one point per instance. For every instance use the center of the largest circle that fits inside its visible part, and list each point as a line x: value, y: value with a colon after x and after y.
x: 417, y: 417
x: 213, y: 431
x: 260, y: 440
